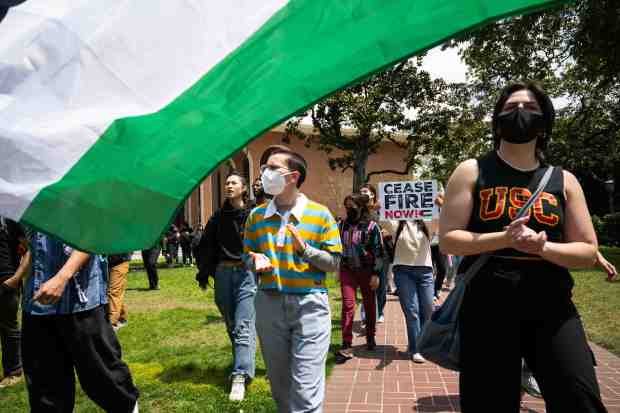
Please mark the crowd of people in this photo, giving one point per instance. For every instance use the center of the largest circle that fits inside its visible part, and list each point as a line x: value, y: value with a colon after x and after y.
x: 269, y: 255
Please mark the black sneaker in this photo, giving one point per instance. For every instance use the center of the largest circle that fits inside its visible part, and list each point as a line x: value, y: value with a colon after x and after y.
x: 371, y: 344
x: 344, y: 354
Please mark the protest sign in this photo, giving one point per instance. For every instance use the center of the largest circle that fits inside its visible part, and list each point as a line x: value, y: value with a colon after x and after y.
x: 408, y: 200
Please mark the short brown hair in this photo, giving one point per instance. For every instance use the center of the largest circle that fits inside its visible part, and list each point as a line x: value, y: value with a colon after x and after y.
x: 295, y: 161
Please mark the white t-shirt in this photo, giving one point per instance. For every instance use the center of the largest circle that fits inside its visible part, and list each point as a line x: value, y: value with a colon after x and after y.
x: 412, y: 247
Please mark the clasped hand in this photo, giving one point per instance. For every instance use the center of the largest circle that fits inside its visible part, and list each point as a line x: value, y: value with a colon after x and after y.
x: 523, y: 238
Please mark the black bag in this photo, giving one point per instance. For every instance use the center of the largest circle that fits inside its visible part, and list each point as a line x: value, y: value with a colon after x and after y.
x: 389, y: 244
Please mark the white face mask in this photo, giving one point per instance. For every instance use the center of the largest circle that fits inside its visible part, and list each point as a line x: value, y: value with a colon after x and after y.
x: 273, y: 182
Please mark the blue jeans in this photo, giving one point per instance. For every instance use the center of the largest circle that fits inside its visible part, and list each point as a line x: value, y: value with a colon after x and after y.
x: 235, y: 289
x: 295, y: 330
x: 415, y: 293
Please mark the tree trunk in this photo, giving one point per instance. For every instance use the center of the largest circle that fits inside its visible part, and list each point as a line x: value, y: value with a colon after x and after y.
x: 359, y: 165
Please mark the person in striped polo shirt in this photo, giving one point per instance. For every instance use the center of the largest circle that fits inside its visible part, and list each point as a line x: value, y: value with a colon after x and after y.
x: 291, y: 243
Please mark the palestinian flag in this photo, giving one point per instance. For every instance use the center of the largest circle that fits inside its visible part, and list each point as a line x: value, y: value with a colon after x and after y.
x: 113, y: 111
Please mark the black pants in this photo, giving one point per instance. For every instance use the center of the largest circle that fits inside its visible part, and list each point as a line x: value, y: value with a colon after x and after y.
x: 172, y: 254
x: 439, y: 262
x: 53, y: 346
x: 503, y: 320
x: 186, y: 251
x: 9, y: 332
x: 149, y: 258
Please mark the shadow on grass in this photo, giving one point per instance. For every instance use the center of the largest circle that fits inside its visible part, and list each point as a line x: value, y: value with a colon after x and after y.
x: 143, y: 289
x: 195, y: 374
x: 213, y: 319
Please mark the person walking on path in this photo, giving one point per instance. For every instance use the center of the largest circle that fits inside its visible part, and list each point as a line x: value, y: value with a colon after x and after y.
x: 291, y: 243
x: 186, y: 244
x: 361, y: 266
x: 173, y: 238
x: 12, y: 270
x: 413, y: 274
x: 519, y: 304
x: 149, y: 258
x: 65, y: 331
x: 440, y: 261
x: 385, y: 283
x: 220, y: 252
x: 118, y: 267
x: 196, y: 238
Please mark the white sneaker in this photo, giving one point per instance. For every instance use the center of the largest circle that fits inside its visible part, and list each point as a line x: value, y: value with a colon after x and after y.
x: 237, y: 390
x: 417, y: 358
x: 381, y: 320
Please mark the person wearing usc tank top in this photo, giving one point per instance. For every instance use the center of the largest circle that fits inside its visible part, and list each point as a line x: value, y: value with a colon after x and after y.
x: 519, y: 304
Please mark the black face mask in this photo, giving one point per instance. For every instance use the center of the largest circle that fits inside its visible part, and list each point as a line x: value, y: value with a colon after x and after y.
x: 353, y: 215
x: 519, y: 125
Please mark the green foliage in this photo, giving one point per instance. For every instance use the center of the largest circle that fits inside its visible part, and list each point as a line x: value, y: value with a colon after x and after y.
x: 599, y: 228
x: 612, y: 228
x: 352, y: 124
x: 573, y: 51
x: 607, y: 229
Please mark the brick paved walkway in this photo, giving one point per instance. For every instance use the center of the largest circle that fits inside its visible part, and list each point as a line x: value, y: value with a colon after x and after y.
x: 385, y: 381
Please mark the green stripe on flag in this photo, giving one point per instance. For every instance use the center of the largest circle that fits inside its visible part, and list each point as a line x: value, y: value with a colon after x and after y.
x: 127, y: 187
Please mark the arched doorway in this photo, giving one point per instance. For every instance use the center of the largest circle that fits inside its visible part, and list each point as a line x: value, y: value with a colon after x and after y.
x: 209, y: 195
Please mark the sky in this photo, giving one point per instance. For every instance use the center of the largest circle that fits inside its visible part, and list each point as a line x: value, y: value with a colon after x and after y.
x: 446, y: 64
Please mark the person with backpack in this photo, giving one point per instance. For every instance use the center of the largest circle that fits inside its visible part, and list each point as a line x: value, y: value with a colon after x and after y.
x: 373, y: 207
x: 220, y: 251
x: 413, y: 275
x: 519, y: 304
x: 361, y: 266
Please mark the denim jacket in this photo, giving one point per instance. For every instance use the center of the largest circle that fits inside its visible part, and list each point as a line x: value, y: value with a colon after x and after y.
x: 85, y: 291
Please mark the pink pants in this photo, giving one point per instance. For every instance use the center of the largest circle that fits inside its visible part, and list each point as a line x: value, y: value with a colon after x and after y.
x: 349, y: 281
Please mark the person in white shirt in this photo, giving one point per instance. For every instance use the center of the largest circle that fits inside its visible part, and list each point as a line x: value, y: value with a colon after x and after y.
x: 413, y: 274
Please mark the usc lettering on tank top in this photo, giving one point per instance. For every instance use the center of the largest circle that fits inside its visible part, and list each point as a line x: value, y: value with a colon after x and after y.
x: 499, y: 192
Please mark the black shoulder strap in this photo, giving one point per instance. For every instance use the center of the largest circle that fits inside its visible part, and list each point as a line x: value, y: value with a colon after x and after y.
x: 483, y: 258
x: 401, y: 226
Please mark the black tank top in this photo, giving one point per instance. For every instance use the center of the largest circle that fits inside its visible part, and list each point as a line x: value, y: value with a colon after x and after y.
x: 501, y: 191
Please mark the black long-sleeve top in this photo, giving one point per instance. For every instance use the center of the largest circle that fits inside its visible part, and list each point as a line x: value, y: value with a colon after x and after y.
x: 222, y: 239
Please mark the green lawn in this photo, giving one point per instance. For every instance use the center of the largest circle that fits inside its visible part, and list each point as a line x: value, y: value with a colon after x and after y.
x: 178, y: 351
x: 599, y: 303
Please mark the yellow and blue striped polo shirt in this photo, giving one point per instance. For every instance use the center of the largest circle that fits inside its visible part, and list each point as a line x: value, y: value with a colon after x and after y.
x: 291, y: 274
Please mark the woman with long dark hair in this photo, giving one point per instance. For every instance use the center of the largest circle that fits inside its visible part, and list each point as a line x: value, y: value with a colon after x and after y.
x: 519, y: 304
x: 221, y: 248
x: 360, y: 266
x: 374, y: 206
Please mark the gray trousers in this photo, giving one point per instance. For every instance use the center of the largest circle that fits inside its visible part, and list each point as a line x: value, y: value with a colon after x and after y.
x: 295, y: 331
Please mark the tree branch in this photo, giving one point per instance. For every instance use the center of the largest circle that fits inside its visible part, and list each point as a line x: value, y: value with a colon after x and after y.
x: 387, y: 171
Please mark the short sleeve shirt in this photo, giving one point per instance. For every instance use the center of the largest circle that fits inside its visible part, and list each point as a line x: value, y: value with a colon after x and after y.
x: 85, y: 291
